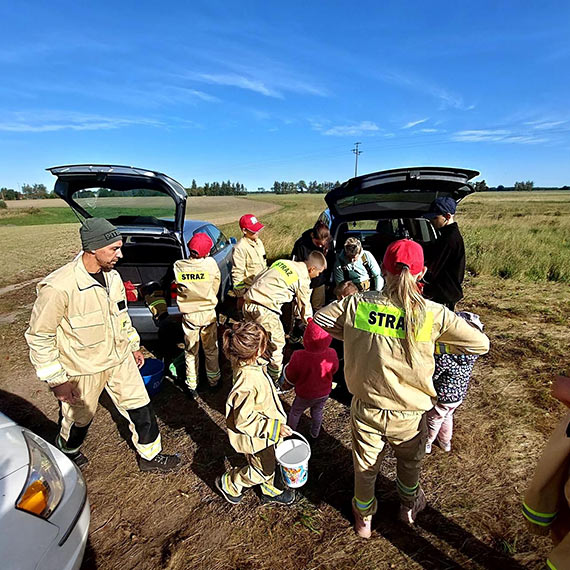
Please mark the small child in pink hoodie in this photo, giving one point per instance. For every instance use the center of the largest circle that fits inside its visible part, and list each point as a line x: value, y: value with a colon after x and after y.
x: 311, y: 371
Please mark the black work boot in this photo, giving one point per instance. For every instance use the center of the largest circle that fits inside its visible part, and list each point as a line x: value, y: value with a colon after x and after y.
x: 232, y: 499
x: 160, y: 463
x: 79, y: 459
x: 287, y: 497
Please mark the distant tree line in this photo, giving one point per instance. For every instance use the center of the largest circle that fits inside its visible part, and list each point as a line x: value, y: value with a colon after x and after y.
x: 312, y: 187
x: 228, y: 188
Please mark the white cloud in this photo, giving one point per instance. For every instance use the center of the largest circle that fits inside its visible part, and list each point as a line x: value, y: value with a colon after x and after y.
x: 364, y: 127
x: 49, y: 121
x: 414, y: 123
x: 235, y: 80
x: 429, y: 130
x: 543, y: 125
x: 496, y: 135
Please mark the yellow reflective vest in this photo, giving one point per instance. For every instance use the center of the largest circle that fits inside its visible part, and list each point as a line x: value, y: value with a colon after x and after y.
x: 254, y: 413
x: 376, y: 365
x: 77, y: 326
x: 279, y: 284
x: 197, y: 284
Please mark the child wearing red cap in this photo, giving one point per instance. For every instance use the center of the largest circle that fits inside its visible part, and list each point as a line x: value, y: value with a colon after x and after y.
x: 389, y: 340
x: 197, y: 282
x: 311, y: 372
x: 249, y: 258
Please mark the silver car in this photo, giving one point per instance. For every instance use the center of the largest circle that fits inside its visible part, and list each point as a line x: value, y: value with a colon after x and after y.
x: 149, y: 210
x: 44, y: 510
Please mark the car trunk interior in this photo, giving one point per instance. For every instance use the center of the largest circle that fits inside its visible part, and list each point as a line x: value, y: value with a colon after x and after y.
x: 149, y: 258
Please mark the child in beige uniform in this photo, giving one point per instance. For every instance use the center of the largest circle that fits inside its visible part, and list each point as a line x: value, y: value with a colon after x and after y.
x: 254, y: 417
x: 198, y: 281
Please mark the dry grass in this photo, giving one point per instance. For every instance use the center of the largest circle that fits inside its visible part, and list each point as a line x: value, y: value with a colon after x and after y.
x: 179, y: 521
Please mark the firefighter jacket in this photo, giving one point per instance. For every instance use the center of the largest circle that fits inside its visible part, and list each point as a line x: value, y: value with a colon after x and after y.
x: 197, y: 284
x: 376, y: 364
x: 281, y: 282
x: 249, y: 259
x: 78, y: 326
x: 546, y: 505
x: 254, y: 413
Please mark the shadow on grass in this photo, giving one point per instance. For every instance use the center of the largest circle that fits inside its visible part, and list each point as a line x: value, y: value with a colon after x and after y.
x: 334, y: 486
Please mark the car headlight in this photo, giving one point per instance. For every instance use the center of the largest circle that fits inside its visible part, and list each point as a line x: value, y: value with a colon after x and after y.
x: 44, y: 485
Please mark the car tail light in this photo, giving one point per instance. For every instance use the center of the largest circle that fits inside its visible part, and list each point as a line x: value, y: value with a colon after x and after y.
x: 44, y: 485
x: 173, y: 289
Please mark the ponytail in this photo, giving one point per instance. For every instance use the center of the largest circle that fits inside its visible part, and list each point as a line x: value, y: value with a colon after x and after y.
x: 402, y: 290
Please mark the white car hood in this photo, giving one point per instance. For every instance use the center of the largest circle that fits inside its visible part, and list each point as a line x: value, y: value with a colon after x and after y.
x: 14, y: 449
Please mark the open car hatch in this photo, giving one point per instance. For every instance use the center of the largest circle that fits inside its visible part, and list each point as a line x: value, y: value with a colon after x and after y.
x: 398, y: 193
x: 124, y: 195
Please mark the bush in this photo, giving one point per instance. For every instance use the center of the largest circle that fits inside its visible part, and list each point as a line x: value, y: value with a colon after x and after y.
x: 3, y: 205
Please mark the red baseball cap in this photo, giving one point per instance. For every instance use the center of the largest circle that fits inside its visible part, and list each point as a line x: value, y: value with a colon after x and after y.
x: 251, y: 223
x: 201, y: 243
x: 405, y: 252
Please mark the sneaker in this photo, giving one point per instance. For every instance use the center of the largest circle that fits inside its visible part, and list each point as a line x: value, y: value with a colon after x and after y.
x: 79, y: 459
x: 362, y: 525
x: 160, y: 463
x: 190, y: 393
x: 232, y: 499
x: 285, y: 498
x: 445, y: 446
x: 428, y: 447
x: 407, y: 514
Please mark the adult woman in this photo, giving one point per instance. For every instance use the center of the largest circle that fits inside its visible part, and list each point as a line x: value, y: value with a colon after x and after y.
x: 359, y: 266
x: 389, y: 341
x: 317, y: 238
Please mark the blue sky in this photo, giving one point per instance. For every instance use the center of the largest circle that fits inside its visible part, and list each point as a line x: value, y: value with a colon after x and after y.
x: 259, y: 91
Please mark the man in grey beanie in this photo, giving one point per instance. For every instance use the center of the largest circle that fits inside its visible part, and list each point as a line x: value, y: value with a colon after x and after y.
x: 82, y: 342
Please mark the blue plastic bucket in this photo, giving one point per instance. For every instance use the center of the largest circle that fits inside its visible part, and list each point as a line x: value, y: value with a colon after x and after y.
x: 152, y: 373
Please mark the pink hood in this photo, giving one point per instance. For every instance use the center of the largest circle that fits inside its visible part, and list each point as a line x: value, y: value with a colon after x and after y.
x: 315, y: 338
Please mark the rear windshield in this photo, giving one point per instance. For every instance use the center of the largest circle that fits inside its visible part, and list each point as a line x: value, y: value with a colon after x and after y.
x: 411, y: 200
x: 143, y: 204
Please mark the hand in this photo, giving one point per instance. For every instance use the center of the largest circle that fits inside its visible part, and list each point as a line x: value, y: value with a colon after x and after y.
x: 561, y: 389
x: 139, y: 358
x: 67, y: 392
x: 285, y: 431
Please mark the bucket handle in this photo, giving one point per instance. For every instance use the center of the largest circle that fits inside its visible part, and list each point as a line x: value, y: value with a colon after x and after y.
x: 300, y: 436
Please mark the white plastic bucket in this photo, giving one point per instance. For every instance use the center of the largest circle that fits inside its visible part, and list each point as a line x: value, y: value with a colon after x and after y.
x: 293, y: 456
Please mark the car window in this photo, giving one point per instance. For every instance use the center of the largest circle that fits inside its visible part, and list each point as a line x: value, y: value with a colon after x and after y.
x: 219, y: 239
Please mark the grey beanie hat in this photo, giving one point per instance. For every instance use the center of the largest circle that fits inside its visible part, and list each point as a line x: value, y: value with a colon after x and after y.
x: 97, y: 232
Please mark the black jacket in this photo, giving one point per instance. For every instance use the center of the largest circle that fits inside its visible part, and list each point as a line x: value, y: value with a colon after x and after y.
x: 301, y: 250
x: 445, y: 260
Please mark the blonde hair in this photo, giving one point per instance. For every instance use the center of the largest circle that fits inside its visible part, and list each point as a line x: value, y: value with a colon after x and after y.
x: 402, y: 290
x: 352, y: 247
x: 244, y: 342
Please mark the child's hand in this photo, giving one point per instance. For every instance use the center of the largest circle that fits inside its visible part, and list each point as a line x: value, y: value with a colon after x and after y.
x: 561, y: 389
x: 285, y: 431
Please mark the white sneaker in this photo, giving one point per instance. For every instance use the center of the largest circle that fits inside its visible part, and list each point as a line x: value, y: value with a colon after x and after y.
x: 444, y: 447
x: 428, y: 447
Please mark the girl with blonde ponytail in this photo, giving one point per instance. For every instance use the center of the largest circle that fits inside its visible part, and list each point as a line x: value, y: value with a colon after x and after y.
x: 389, y: 342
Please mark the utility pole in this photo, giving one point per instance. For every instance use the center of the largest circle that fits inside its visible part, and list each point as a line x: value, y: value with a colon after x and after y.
x: 356, y: 153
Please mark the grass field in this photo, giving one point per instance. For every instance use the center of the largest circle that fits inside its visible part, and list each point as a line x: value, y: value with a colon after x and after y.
x: 473, y: 519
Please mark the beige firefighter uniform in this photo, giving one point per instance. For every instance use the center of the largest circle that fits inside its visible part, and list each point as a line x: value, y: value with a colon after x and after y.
x: 254, y: 416
x: 81, y: 332
x: 546, y: 505
x: 249, y: 259
x: 198, y: 283
x: 278, y: 284
x: 390, y: 393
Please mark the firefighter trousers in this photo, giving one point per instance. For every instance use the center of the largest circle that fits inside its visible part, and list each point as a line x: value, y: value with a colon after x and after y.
x: 203, y: 327
x: 271, y: 322
x: 126, y: 389
x: 260, y: 470
x: 372, y: 428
